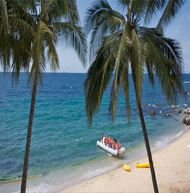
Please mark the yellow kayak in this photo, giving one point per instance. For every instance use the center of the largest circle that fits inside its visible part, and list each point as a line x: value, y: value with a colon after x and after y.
x: 145, y: 165
x: 127, y: 168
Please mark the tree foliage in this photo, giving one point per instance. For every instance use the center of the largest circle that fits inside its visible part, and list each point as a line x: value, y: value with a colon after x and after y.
x: 119, y: 45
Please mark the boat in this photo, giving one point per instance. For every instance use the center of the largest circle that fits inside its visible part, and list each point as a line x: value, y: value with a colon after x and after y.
x: 126, y: 167
x: 144, y: 165
x: 114, y: 152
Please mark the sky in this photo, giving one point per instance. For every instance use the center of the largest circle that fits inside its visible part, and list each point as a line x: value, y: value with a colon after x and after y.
x: 178, y: 29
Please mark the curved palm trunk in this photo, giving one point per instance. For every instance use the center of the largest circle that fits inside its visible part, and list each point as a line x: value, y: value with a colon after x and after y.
x: 145, y: 136
x: 29, y: 134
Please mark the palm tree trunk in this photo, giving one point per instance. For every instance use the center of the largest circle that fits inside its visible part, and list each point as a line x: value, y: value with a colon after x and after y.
x: 29, y: 134
x: 145, y: 136
x: 42, y: 6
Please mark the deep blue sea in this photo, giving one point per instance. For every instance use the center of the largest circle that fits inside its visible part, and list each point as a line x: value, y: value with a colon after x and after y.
x: 63, y: 147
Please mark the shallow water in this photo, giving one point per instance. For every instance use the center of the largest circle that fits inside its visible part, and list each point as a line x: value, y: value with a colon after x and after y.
x: 63, y: 148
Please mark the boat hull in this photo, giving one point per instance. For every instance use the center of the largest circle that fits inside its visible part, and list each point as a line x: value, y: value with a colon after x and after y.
x: 114, y: 152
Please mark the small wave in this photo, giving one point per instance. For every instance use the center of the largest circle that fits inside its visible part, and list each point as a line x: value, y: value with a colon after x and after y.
x: 6, y: 181
x: 97, y: 172
x: 42, y: 188
x: 167, y: 140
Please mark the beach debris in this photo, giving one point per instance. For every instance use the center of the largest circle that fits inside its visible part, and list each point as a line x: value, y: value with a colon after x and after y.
x: 143, y: 106
x: 185, y: 91
x: 152, y: 113
x: 157, y: 105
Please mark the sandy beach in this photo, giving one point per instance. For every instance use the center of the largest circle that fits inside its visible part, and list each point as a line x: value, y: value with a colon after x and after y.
x: 172, y: 166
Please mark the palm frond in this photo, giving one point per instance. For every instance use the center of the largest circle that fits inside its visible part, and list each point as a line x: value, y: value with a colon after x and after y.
x: 165, y: 55
x: 21, y: 26
x: 152, y: 8
x: 38, y: 50
x: 170, y: 11
x: 3, y: 18
x: 121, y: 54
x: 108, y: 23
x: 93, y: 13
x: 52, y: 53
x: 103, y: 21
x: 123, y: 3
x: 125, y: 86
x: 100, y: 73
x: 28, y: 5
x: 137, y: 63
x: 73, y: 36
x: 61, y: 9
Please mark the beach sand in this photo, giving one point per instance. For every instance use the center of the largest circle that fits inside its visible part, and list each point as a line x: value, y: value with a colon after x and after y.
x: 172, y: 167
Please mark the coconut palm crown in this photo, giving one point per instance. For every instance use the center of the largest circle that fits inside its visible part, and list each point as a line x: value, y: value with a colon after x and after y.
x: 119, y: 45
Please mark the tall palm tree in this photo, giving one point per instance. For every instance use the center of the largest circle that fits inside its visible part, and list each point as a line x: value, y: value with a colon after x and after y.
x: 119, y: 45
x: 57, y: 20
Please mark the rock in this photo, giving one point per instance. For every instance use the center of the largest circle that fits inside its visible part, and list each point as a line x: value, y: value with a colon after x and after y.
x: 152, y: 113
x: 187, y: 112
x: 187, y: 122
x: 169, y: 114
x: 185, y: 91
x: 184, y: 120
x: 157, y: 105
x: 179, y: 112
x: 165, y: 115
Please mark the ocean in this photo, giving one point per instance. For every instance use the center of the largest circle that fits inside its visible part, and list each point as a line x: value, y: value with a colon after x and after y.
x: 63, y: 147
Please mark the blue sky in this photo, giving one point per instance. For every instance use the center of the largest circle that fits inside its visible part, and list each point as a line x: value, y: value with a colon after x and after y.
x: 179, y: 29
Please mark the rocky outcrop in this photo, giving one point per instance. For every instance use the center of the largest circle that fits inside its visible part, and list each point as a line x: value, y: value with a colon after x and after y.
x: 167, y: 115
x: 152, y: 113
x: 179, y: 112
x: 187, y: 112
x: 186, y: 120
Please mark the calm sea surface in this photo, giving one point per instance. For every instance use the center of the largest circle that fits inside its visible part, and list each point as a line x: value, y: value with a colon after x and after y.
x: 63, y: 148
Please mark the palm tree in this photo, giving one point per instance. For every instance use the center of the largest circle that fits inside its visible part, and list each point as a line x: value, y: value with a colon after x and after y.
x: 120, y: 45
x: 57, y: 20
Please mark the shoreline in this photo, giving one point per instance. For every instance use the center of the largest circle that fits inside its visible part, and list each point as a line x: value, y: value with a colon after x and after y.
x: 172, y: 176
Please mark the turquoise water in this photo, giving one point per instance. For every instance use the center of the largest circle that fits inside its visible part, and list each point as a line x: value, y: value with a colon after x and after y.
x: 63, y: 148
